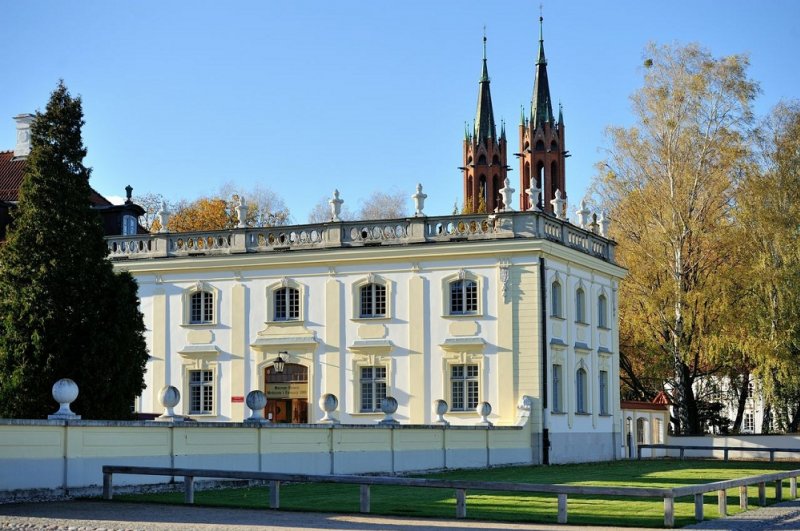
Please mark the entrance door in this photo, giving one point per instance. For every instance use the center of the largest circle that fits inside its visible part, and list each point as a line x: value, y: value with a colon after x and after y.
x: 287, y: 394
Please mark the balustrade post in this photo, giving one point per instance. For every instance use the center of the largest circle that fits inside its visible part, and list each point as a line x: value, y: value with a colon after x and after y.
x: 461, y: 503
x: 562, y: 508
x: 669, y: 511
x: 274, y: 494
x: 160, y: 246
x: 762, y: 494
x: 365, y: 498
x: 188, y: 489
x: 698, y: 506
x: 416, y: 230
x: 722, y: 502
x: 743, y: 497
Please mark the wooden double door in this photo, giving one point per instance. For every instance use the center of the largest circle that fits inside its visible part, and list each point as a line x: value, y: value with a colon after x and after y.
x: 287, y: 394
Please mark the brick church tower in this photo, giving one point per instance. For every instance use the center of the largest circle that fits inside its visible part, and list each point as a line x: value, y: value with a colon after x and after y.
x: 541, y: 139
x: 485, y: 155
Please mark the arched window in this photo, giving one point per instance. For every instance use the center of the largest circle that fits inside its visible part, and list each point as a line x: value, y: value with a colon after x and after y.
x: 555, y: 299
x: 287, y: 304
x: 469, y: 187
x: 580, y: 306
x: 540, y: 176
x: 553, y: 146
x: 539, y: 146
x: 498, y: 200
x: 463, y: 297
x: 373, y: 300
x: 602, y: 311
x: 482, y: 159
x: 641, y: 425
x: 580, y: 391
x: 554, y: 180
x: 201, y: 307
x: 495, y: 160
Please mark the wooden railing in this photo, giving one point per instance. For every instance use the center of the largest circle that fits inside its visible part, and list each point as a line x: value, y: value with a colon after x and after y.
x: 725, y: 449
x: 461, y: 487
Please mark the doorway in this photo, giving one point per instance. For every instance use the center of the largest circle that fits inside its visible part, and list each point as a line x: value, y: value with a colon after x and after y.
x: 287, y: 394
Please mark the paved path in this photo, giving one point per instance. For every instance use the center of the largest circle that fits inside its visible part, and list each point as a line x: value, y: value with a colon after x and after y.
x: 107, y: 516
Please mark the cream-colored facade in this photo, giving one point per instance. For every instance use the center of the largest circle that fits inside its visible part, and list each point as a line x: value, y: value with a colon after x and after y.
x: 480, y: 308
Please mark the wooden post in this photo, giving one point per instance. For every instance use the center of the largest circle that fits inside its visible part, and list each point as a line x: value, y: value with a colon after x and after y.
x: 461, y: 503
x: 725, y: 453
x: 722, y: 502
x: 562, y: 508
x: 698, y: 507
x: 188, y: 489
x: 107, y: 485
x: 771, y: 456
x: 364, y: 498
x: 669, y: 511
x: 793, y: 487
x: 682, y: 450
x: 762, y: 494
x: 274, y: 494
x: 778, y: 490
x: 743, y: 497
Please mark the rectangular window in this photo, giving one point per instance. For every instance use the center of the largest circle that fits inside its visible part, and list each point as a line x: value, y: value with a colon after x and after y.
x: 603, y: 387
x: 555, y: 296
x: 373, y: 301
x: 602, y: 312
x: 557, y: 389
x: 749, y: 423
x: 201, y: 392
x: 657, y: 431
x: 287, y: 304
x: 463, y: 297
x: 580, y: 306
x: 580, y: 391
x: 201, y: 308
x: 463, y: 387
x: 373, y: 388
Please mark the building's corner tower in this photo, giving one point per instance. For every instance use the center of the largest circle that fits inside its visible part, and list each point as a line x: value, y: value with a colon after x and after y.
x: 485, y: 162
x: 541, y: 140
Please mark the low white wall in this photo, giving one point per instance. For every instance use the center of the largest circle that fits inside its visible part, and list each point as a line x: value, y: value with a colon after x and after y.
x: 738, y: 445
x: 64, y: 455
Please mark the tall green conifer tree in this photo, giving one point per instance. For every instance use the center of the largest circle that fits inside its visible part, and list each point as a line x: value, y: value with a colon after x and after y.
x: 64, y: 313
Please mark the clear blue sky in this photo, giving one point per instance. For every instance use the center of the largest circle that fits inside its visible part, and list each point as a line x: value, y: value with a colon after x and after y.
x: 304, y: 97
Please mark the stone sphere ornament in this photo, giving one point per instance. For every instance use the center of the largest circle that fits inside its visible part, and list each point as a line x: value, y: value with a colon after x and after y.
x: 169, y: 396
x: 440, y: 407
x: 388, y: 406
x: 328, y: 403
x: 484, y: 409
x: 65, y: 391
x: 256, y: 401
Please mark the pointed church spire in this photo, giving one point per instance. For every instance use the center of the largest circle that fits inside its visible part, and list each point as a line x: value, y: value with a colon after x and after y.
x: 484, y: 117
x: 541, y: 106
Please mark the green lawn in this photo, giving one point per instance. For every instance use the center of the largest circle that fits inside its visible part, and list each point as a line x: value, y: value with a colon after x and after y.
x: 408, y: 501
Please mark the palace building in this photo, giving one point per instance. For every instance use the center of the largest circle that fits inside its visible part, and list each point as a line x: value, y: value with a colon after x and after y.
x: 514, y: 308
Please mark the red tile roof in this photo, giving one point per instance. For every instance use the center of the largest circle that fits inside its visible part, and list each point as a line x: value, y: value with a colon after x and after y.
x: 11, y: 171
x: 635, y: 404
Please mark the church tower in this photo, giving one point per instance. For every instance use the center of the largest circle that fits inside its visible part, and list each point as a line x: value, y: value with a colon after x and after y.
x: 541, y: 139
x: 485, y: 156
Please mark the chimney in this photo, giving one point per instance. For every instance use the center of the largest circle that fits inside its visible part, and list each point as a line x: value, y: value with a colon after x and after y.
x: 23, y: 147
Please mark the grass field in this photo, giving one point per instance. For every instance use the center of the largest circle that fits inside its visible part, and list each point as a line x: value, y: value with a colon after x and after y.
x: 409, y: 501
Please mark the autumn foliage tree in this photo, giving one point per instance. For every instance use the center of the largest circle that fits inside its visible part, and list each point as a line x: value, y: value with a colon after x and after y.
x: 669, y: 181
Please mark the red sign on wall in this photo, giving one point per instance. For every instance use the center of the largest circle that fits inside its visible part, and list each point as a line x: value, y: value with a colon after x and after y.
x: 237, y: 399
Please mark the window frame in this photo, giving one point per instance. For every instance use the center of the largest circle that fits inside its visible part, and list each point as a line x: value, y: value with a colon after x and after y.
x: 557, y: 381
x: 205, y: 308
x: 187, y: 297
x: 580, y: 305
x: 581, y: 391
x: 447, y: 302
x: 602, y: 311
x: 602, y: 386
x: 464, y: 382
x: 374, y: 300
x: 272, y: 301
x: 556, y: 299
x: 467, y: 291
x: 373, y: 382
x: 201, y: 386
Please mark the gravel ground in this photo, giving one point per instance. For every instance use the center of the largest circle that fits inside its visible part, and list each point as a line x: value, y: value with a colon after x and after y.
x: 108, y: 516
x: 120, y: 516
